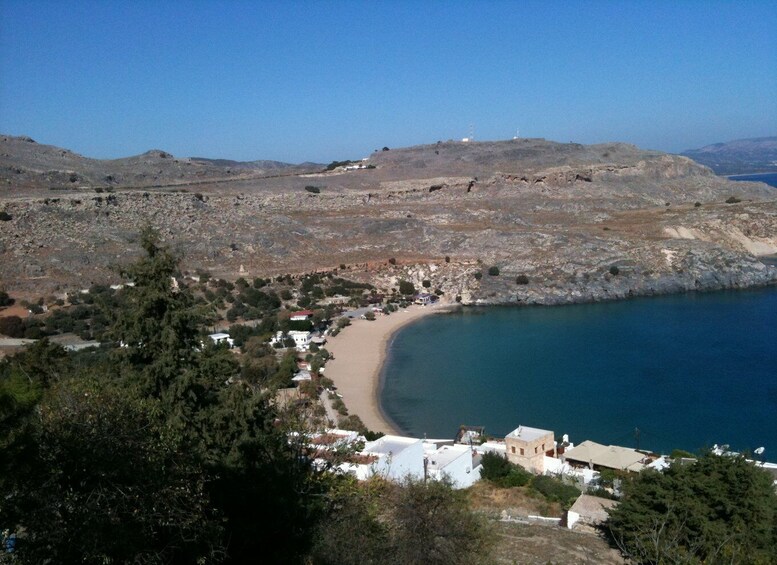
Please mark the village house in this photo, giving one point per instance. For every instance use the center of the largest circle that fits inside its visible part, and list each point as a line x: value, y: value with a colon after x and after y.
x: 301, y: 339
x: 301, y: 316
x: 391, y: 457
x: 528, y: 447
x: 221, y: 337
x: 425, y: 299
x: 589, y: 511
x: 458, y: 463
x: 597, y: 456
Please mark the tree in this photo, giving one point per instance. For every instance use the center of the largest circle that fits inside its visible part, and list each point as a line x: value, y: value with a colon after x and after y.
x: 412, y: 522
x: 160, y: 454
x: 717, y: 510
x: 493, y: 271
x: 156, y: 325
x: 5, y: 300
x: 406, y: 288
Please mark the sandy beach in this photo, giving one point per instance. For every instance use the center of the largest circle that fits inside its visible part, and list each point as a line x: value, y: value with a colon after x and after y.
x: 359, y: 351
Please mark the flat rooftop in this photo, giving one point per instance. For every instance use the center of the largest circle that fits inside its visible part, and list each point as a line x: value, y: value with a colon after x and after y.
x: 446, y: 454
x: 390, y: 445
x: 526, y: 433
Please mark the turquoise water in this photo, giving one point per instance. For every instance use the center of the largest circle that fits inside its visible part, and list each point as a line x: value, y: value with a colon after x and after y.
x: 687, y: 370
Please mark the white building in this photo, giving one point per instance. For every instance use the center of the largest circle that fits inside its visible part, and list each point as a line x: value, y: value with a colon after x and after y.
x: 391, y: 457
x: 301, y: 339
x: 459, y: 463
x: 222, y: 338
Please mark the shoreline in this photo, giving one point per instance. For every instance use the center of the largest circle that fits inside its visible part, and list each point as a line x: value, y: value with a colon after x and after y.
x: 359, y: 354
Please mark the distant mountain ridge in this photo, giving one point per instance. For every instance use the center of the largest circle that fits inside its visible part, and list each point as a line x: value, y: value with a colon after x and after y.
x: 24, y: 163
x: 741, y: 156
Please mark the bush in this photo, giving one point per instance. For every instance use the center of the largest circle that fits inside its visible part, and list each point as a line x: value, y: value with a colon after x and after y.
x: 313, y: 189
x: 426, y: 283
x: 478, y: 275
x: 493, y: 271
x: 614, y: 270
x: 447, y: 259
x: 5, y: 217
x: 369, y: 316
x: 12, y: 326
x: 521, y: 279
x: 406, y: 287
x: 343, y: 322
x: 392, y: 261
x: 5, y: 300
x: 732, y: 200
x: 501, y: 472
x: 555, y: 490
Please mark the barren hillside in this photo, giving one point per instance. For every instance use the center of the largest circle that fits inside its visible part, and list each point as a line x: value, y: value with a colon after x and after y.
x: 574, y: 222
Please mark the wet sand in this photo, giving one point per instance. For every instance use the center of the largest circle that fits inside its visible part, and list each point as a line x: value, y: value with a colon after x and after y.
x: 359, y: 351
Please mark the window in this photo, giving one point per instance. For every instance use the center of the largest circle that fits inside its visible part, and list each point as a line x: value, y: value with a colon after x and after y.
x: 543, y: 447
x: 535, y: 449
x: 513, y: 448
x: 522, y: 451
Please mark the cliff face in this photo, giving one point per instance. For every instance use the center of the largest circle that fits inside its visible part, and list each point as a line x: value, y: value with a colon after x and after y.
x: 573, y: 222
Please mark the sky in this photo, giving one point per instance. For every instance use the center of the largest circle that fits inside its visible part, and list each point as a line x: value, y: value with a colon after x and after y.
x: 322, y: 81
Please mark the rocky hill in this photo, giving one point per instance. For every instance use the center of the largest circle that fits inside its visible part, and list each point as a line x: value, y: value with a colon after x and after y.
x: 743, y: 156
x: 25, y: 165
x: 560, y: 222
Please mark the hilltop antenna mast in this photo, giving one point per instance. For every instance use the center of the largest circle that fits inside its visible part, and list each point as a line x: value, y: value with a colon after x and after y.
x: 472, y: 132
x: 517, y: 133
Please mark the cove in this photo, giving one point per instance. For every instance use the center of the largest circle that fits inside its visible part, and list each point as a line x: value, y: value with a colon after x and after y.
x: 687, y: 370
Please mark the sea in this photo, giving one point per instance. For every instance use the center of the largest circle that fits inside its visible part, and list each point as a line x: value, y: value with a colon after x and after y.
x: 684, y: 371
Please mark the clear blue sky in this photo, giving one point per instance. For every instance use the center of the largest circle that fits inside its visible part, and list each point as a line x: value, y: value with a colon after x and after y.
x: 296, y: 81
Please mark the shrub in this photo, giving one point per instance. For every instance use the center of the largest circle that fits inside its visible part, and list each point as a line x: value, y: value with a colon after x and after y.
x: 392, y: 261
x: 426, y: 283
x: 5, y: 216
x: 313, y: 189
x: 12, y: 326
x: 614, y: 270
x: 521, y: 279
x: 447, y: 259
x: 478, y: 275
x: 493, y: 271
x: 696, y: 204
x: 732, y: 200
x: 406, y: 287
x: 555, y: 490
x: 501, y: 472
x: 343, y: 322
x: 369, y: 316
x: 5, y: 300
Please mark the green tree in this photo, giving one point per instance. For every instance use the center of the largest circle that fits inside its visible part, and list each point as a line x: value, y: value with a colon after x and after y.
x: 156, y: 325
x: 412, y: 522
x: 406, y: 288
x: 717, y: 510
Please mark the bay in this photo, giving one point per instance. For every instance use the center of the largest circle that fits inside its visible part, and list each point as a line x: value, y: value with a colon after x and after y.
x: 687, y: 371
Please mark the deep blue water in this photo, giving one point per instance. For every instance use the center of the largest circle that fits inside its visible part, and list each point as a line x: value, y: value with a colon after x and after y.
x: 768, y: 178
x: 688, y: 370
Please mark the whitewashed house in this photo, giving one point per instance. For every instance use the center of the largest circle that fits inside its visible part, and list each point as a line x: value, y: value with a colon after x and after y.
x: 459, y: 463
x: 391, y: 457
x: 222, y: 337
x: 301, y: 339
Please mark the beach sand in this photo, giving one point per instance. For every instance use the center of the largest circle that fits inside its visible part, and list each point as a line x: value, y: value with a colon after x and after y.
x: 359, y: 351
